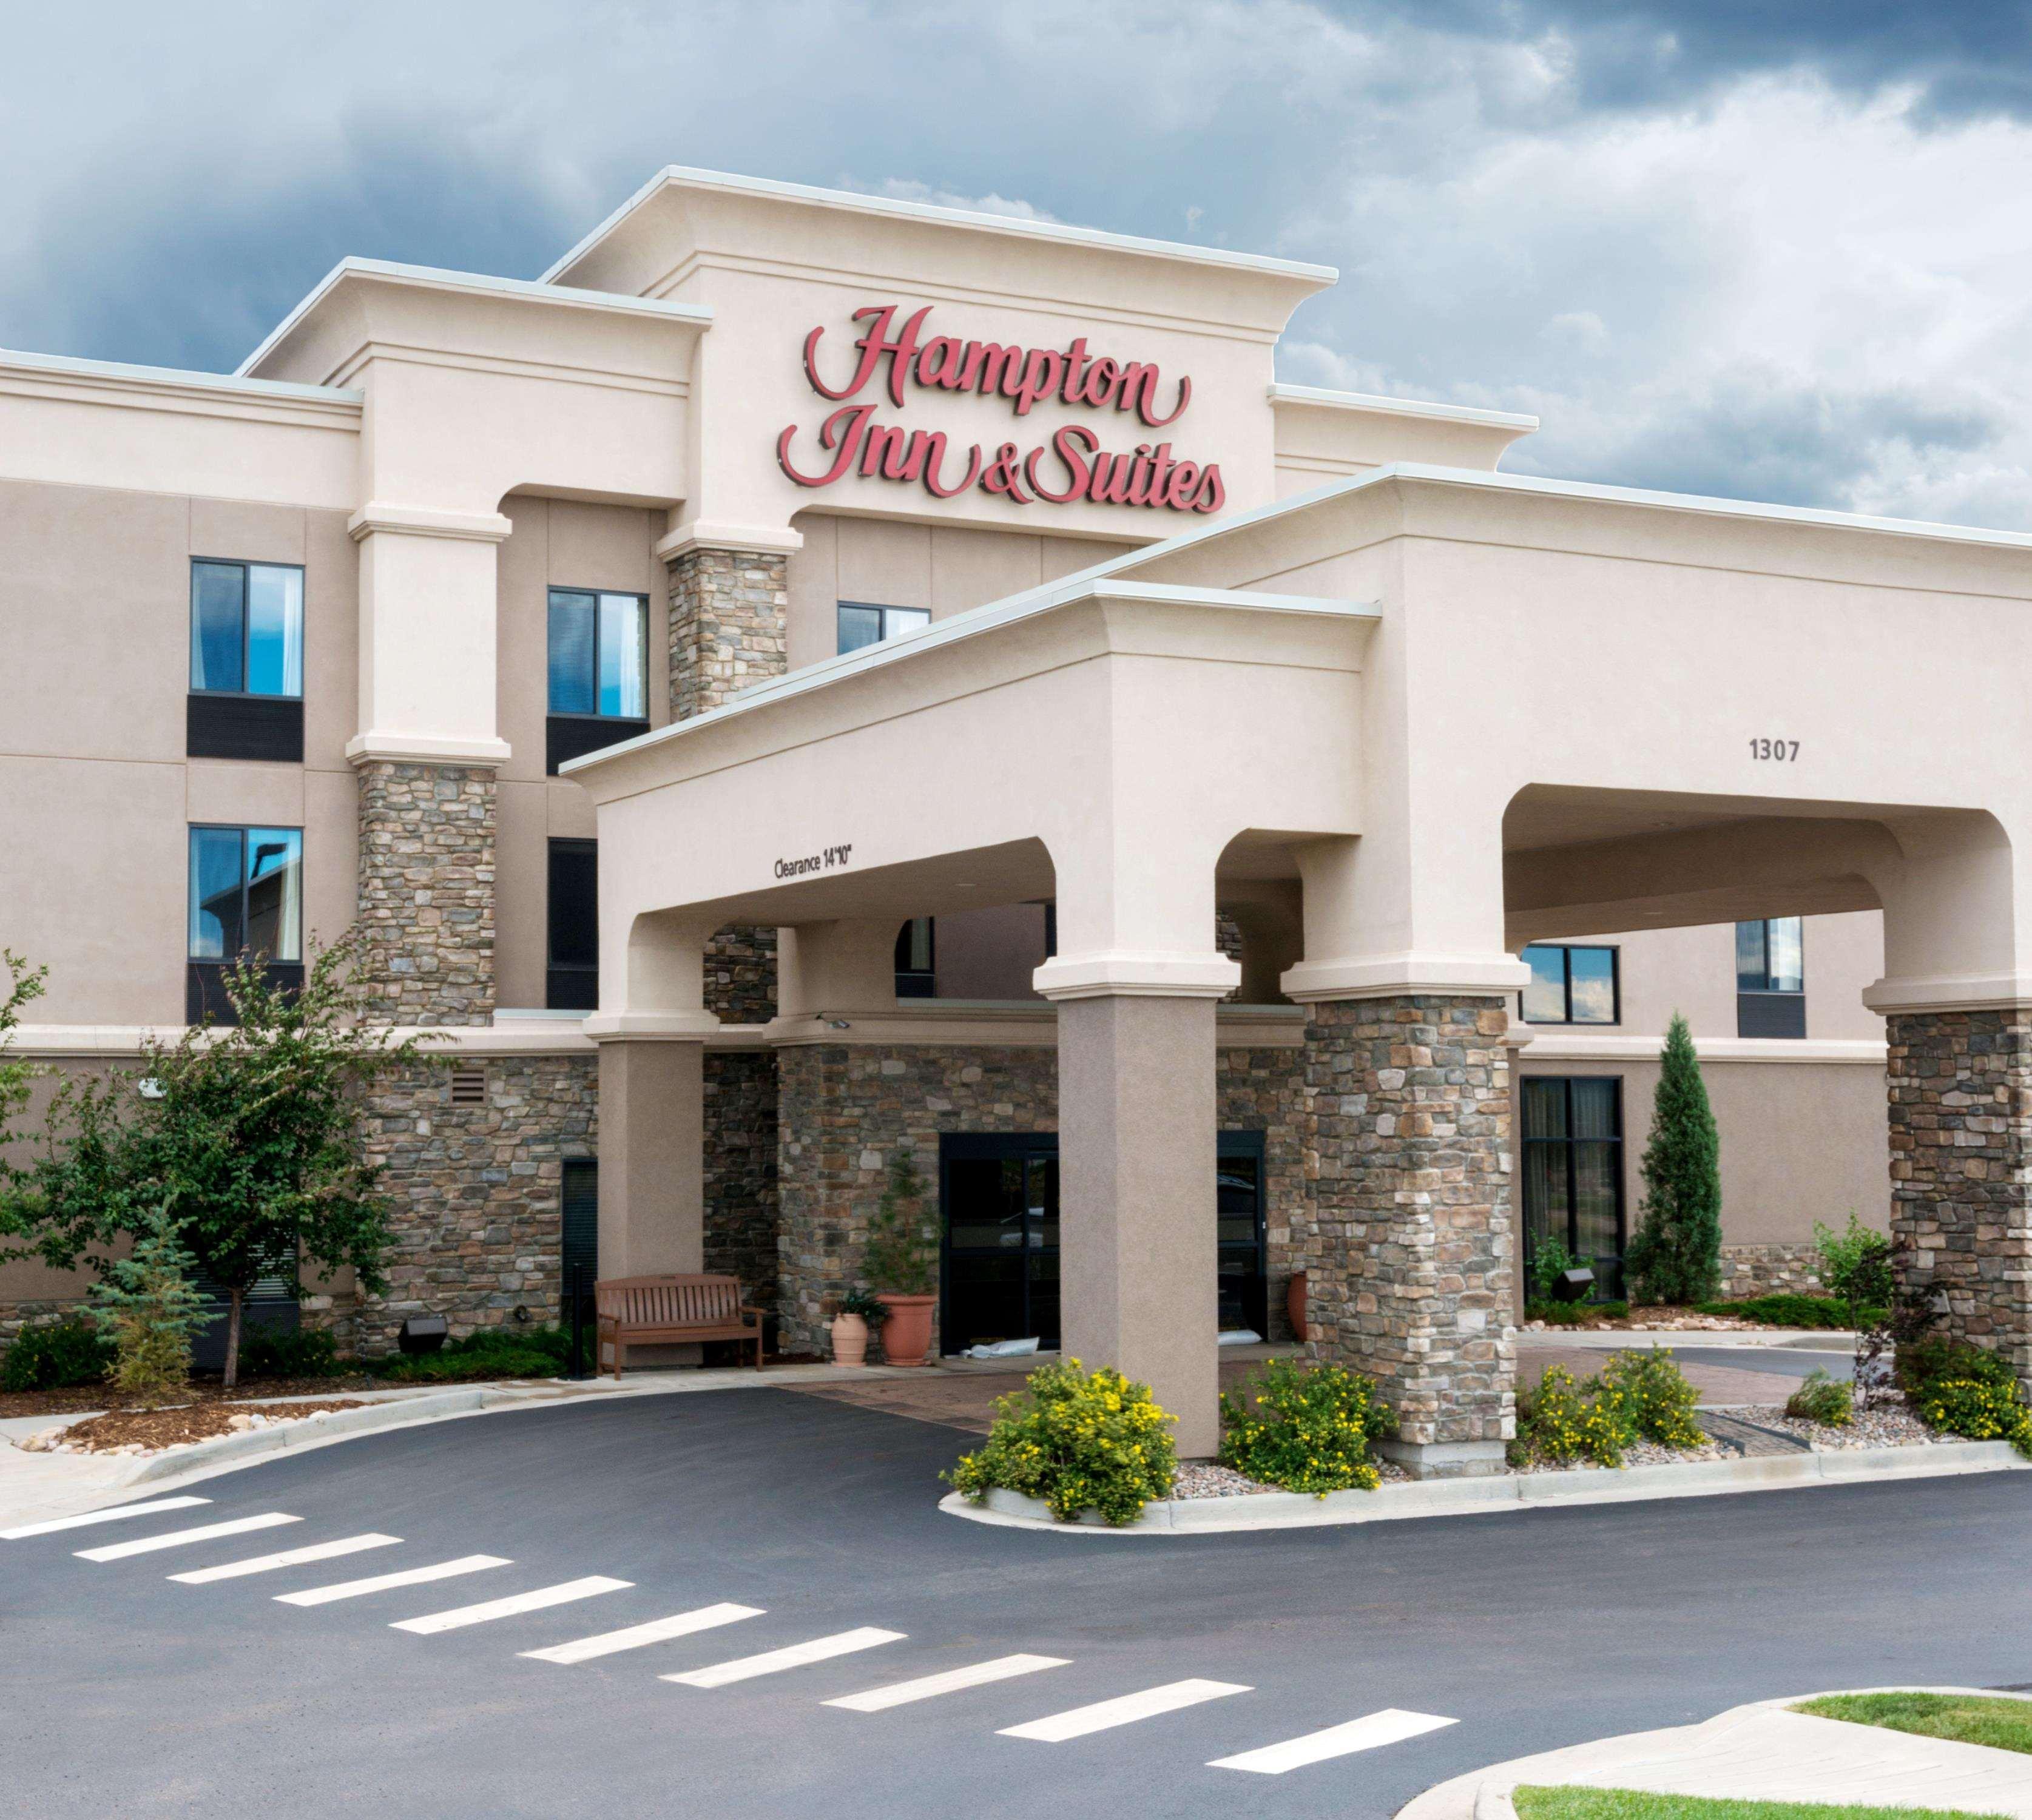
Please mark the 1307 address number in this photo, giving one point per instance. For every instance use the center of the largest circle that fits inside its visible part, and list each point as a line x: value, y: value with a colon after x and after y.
x: 1775, y: 751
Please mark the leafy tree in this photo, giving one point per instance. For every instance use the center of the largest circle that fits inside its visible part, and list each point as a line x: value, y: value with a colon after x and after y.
x: 1675, y: 1255
x: 903, y: 1256
x: 15, y: 1074
x: 248, y: 1138
x: 1855, y: 1266
x: 152, y: 1309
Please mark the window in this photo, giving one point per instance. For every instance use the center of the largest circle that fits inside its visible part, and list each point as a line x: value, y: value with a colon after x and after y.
x: 572, y: 979
x: 599, y: 662
x: 1573, y: 1171
x: 1771, y: 978
x: 246, y: 898
x: 246, y: 662
x: 916, y: 959
x: 1572, y: 985
x: 860, y: 624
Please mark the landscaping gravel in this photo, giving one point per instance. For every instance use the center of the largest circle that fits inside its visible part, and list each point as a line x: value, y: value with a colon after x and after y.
x: 1890, y: 1425
x: 1203, y: 1480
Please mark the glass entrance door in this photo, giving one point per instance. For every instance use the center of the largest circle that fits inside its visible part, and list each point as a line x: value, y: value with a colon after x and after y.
x: 998, y: 1197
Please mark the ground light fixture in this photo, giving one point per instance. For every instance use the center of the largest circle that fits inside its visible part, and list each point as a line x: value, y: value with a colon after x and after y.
x: 1574, y: 1285
x: 424, y: 1333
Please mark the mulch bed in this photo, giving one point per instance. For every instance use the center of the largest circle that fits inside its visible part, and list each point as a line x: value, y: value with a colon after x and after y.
x: 103, y: 1396
x: 152, y: 1428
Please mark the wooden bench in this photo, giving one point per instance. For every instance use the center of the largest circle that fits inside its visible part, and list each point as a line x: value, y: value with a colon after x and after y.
x: 670, y: 1310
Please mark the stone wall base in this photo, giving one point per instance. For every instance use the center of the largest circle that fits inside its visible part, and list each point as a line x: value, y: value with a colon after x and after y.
x: 1748, y: 1270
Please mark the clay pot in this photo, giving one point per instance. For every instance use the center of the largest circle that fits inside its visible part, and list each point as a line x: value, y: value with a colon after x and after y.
x: 849, y: 1339
x: 907, y: 1335
x: 1294, y: 1305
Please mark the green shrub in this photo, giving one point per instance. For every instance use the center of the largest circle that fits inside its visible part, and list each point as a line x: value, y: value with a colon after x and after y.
x: 1576, y: 1313
x: 276, y: 1352
x: 1791, y: 1310
x: 1311, y: 1428
x: 491, y: 1352
x: 1938, y: 1359
x: 1637, y: 1396
x: 1077, y: 1442
x: 902, y: 1253
x: 1978, y: 1411
x: 55, y: 1355
x: 1822, y: 1398
x: 1653, y: 1398
x: 1549, y: 1258
x: 1856, y: 1266
x: 1674, y: 1254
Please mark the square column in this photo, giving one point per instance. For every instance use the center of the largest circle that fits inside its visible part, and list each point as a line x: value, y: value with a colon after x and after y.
x: 1959, y: 1089
x: 1138, y: 1221
x: 1409, y: 1264
x: 651, y: 1157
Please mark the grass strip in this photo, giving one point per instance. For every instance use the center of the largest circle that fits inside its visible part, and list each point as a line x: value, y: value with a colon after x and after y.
x: 1966, y: 1718
x: 1572, y: 1804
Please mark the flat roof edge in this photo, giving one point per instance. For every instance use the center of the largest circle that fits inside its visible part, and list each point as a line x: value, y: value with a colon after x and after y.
x: 233, y: 384
x: 679, y: 176
x: 475, y: 283
x: 1320, y: 395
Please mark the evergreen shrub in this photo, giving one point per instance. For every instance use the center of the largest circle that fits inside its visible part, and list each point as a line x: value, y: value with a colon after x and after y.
x: 56, y: 1355
x: 149, y: 1306
x: 1676, y: 1255
x: 276, y: 1352
x: 1077, y: 1441
x: 1309, y: 1428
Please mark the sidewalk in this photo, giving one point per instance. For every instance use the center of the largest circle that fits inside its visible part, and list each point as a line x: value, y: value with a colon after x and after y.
x: 1760, y: 1753
x: 35, y: 1485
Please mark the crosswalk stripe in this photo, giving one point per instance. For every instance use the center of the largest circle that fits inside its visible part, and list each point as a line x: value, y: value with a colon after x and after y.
x: 181, y: 1537
x: 1124, y: 1710
x: 656, y: 1631
x: 796, y: 1656
x: 353, y: 1589
x: 591, y: 1586
x: 1391, y: 1726
x: 288, y: 1558
x: 930, y: 1686
x: 50, y: 1525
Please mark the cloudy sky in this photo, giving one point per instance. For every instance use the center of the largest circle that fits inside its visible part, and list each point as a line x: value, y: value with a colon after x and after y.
x: 1780, y: 250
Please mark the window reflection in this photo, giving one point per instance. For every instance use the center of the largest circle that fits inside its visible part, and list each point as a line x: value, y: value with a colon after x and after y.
x: 246, y: 893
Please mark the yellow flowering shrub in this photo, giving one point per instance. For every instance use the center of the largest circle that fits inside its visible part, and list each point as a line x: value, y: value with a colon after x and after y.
x: 1638, y: 1396
x: 1306, y: 1428
x: 1977, y: 1410
x: 1077, y: 1441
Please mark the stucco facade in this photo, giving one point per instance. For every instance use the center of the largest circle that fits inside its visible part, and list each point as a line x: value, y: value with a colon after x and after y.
x: 936, y: 566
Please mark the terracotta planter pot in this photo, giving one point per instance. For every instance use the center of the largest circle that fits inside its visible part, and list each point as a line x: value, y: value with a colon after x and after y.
x: 907, y: 1335
x: 849, y: 1339
x: 1294, y: 1304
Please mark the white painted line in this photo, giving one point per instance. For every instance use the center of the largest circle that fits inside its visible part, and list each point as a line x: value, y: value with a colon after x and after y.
x: 288, y: 1558
x: 930, y: 1686
x: 818, y: 1650
x: 657, y: 1631
x: 353, y: 1589
x: 1390, y: 1726
x: 50, y: 1525
x: 1126, y: 1710
x: 178, y: 1538
x: 560, y: 1594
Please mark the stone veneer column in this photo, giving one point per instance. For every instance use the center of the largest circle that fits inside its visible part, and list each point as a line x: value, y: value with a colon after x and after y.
x: 728, y: 614
x: 1959, y: 1088
x: 1410, y: 1255
x: 426, y: 893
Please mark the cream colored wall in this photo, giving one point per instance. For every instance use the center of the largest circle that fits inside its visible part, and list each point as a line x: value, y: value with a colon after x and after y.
x: 96, y: 794
x: 555, y: 543
x: 884, y: 562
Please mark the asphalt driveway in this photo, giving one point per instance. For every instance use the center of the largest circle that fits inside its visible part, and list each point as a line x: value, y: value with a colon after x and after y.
x: 128, y: 1692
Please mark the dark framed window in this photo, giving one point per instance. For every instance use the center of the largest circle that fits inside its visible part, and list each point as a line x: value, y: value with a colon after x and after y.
x: 246, y: 898
x: 1572, y: 985
x: 1771, y: 978
x: 1573, y: 1171
x: 246, y: 697
x: 598, y: 671
x: 916, y: 959
x: 572, y: 975
x: 862, y: 623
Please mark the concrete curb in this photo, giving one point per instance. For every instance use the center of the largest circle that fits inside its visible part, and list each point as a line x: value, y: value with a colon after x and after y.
x: 1520, y: 1491
x: 1487, y: 1794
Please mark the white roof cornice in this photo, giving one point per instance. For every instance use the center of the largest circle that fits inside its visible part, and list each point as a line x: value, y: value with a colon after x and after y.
x: 685, y: 176
x: 477, y: 284
x: 1316, y: 395
x: 176, y: 379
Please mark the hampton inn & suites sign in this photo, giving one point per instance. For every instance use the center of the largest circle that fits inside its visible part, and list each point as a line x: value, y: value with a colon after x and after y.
x: 1070, y: 464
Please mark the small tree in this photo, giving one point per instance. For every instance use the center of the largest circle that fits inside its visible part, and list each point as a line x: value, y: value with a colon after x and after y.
x: 249, y: 1139
x: 1855, y: 1266
x: 1675, y: 1255
x: 902, y: 1253
x: 15, y: 1074
x: 153, y: 1309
